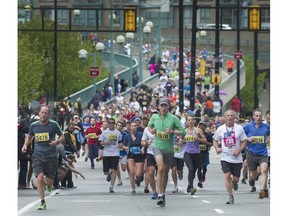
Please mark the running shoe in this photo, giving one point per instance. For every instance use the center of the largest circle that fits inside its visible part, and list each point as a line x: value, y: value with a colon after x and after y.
x: 161, y: 200
x: 243, y: 181
x: 231, y: 200
x: 154, y: 195
x: 83, y: 153
x: 180, y: 176
x: 193, y: 191
x: 175, y: 190
x: 49, y: 188
x: 119, y: 183
x: 189, y: 189
x: 146, y: 190
x: 253, y: 189
x: 266, y: 193
x: 92, y: 167
x: 235, y: 186
x: 263, y: 194
x: 86, y: 159
x: 137, y: 182
x: 133, y: 192
x: 42, y: 206
x: 200, y: 185
x: 251, y: 182
x: 108, y: 178
x: 111, y: 190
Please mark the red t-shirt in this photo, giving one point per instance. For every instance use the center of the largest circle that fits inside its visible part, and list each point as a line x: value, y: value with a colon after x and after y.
x: 93, y: 131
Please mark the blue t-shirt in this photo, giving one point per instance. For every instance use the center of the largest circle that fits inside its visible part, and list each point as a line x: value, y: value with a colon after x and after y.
x: 258, y: 147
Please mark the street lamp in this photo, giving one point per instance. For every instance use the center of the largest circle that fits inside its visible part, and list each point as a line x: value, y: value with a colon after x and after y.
x: 205, y: 34
x: 83, y: 54
x: 139, y: 22
x: 147, y: 31
x: 120, y: 40
x: 130, y: 36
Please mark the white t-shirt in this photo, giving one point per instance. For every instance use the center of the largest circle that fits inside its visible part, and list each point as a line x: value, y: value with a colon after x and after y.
x: 148, y: 136
x: 113, y: 148
x: 231, y: 138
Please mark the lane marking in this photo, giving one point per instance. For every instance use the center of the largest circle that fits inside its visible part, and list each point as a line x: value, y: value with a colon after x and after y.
x: 205, y: 201
x: 32, y: 204
x: 219, y: 211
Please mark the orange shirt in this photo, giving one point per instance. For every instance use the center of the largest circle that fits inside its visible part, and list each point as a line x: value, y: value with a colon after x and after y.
x: 230, y: 64
x: 209, y: 104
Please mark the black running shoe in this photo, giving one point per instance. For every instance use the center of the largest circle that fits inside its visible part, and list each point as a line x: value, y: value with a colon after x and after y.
x: 189, y: 189
x: 200, y: 185
x: 253, y: 189
x: 251, y: 182
x: 108, y: 178
x: 137, y: 182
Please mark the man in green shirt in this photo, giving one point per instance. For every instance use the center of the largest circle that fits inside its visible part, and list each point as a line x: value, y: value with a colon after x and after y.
x: 164, y: 125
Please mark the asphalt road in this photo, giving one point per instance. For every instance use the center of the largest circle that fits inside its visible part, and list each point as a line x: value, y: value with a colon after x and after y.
x: 92, y: 198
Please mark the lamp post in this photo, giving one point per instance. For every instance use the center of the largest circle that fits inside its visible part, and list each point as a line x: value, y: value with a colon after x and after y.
x: 139, y: 22
x: 83, y: 54
x: 112, y: 17
x: 130, y: 36
x: 147, y: 31
x: 120, y: 39
x: 204, y: 34
x: 150, y: 24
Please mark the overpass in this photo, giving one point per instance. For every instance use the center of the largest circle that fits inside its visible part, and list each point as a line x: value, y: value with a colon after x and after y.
x: 228, y: 84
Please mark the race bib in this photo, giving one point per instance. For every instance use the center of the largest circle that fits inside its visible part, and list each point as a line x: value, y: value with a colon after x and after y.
x: 176, y: 148
x: 113, y: 137
x: 229, y: 139
x: 92, y: 135
x: 42, y: 137
x: 203, y: 147
x: 162, y: 135
x: 258, y: 140
x: 135, y: 150
x: 190, y: 138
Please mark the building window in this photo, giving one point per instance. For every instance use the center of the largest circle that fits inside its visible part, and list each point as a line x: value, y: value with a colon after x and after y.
x: 205, y: 16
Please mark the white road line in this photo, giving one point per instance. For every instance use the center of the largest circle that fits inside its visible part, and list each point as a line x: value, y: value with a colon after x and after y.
x: 205, y: 201
x: 219, y: 211
x: 30, y: 205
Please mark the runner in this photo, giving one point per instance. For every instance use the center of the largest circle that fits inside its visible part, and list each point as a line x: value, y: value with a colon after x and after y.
x: 164, y: 125
x: 44, y: 157
x: 233, y: 141
x: 258, y: 134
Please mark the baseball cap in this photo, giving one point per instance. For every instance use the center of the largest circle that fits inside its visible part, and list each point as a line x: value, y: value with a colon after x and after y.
x: 137, y: 119
x: 202, y: 122
x: 164, y: 101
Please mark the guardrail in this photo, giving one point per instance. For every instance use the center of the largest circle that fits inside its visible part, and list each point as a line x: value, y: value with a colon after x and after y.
x: 228, y: 83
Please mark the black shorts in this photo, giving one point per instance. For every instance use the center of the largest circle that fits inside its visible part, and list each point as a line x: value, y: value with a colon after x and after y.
x: 178, y: 162
x: 46, y: 165
x: 151, y: 160
x: 138, y: 158
x: 110, y: 163
x: 234, y: 168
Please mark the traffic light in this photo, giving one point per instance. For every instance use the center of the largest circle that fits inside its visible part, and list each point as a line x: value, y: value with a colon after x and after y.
x: 216, y: 79
x: 130, y: 20
x: 254, y: 17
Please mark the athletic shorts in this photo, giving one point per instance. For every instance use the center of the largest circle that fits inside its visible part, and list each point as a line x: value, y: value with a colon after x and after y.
x: 123, y: 159
x: 233, y: 168
x: 151, y: 160
x: 178, y: 162
x: 110, y: 163
x: 167, y: 157
x: 138, y: 158
x: 46, y: 165
x: 253, y: 161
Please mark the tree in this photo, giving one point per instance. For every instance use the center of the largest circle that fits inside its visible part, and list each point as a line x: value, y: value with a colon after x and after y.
x: 72, y: 74
x: 247, y: 93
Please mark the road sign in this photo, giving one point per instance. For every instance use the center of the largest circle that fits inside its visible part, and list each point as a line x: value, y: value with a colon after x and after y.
x: 238, y: 54
x: 94, y: 71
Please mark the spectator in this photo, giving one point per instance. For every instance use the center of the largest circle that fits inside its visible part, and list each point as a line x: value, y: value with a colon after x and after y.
x: 235, y: 105
x: 230, y: 64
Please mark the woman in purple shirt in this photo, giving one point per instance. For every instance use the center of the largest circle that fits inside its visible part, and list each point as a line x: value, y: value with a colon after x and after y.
x: 192, y: 155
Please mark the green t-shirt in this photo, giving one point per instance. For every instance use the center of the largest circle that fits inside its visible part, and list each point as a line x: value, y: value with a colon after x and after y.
x: 207, y: 80
x: 163, y: 140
